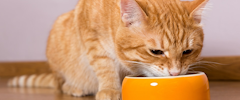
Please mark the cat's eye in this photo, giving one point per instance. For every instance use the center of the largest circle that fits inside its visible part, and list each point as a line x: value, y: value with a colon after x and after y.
x: 157, y: 52
x: 187, y: 52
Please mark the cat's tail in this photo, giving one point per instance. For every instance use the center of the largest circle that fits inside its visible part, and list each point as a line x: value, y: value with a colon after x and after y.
x: 41, y: 80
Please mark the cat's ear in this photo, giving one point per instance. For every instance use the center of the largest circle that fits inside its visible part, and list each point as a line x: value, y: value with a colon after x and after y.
x: 195, y: 8
x: 131, y: 13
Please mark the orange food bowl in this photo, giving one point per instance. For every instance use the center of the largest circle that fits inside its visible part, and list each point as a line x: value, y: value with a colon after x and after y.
x: 192, y: 86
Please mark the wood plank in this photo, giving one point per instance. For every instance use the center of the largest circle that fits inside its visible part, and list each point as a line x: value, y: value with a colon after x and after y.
x: 218, y: 91
x: 228, y: 69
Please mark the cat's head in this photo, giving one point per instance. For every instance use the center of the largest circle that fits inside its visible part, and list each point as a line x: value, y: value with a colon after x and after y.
x: 160, y: 37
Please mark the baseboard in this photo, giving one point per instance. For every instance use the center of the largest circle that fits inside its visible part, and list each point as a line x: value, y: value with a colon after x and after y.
x: 10, y: 69
x: 223, y: 68
x: 228, y: 68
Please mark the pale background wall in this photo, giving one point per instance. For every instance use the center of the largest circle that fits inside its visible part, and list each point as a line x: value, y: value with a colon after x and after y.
x: 25, y: 24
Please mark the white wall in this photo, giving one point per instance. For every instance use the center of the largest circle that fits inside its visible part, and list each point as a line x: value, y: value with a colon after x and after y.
x: 24, y: 27
x: 25, y: 24
x: 222, y: 28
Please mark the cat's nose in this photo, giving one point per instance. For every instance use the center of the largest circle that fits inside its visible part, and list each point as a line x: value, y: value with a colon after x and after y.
x: 174, y: 73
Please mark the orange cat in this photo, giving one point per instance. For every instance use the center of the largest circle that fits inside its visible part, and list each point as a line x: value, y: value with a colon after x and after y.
x: 93, y: 47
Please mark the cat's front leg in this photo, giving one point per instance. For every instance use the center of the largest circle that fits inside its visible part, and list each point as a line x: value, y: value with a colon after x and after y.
x: 108, y: 78
x: 107, y: 74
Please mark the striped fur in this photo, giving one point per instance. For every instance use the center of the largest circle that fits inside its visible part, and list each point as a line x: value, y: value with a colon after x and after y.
x: 42, y: 80
x: 93, y: 47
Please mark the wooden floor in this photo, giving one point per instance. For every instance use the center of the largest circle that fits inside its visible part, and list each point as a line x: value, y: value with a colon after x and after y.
x: 219, y: 91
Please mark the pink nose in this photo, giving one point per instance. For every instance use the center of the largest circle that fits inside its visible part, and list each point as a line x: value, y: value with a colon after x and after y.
x: 174, y: 73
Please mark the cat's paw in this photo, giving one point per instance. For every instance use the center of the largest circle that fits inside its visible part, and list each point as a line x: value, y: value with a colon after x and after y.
x: 70, y: 90
x: 108, y: 94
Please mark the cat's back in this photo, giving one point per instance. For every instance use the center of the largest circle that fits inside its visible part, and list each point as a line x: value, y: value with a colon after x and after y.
x: 87, y: 16
x: 62, y: 34
x: 98, y: 14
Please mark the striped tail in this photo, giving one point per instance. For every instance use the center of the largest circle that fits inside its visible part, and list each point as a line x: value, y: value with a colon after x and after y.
x: 42, y: 80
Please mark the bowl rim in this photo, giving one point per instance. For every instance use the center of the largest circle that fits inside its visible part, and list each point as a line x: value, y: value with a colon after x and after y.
x: 196, y: 73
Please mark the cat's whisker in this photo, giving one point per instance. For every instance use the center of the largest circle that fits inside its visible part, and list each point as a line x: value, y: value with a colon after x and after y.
x: 200, y: 67
x: 135, y: 62
x: 205, y: 64
x: 211, y: 62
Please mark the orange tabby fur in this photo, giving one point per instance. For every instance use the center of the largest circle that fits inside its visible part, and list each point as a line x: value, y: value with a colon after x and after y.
x: 91, y: 48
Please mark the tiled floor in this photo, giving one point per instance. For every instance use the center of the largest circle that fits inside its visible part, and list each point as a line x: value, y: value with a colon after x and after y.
x: 219, y: 91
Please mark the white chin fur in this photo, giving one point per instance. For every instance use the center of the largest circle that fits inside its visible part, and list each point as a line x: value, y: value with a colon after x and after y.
x: 155, y: 71
x: 184, y: 71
